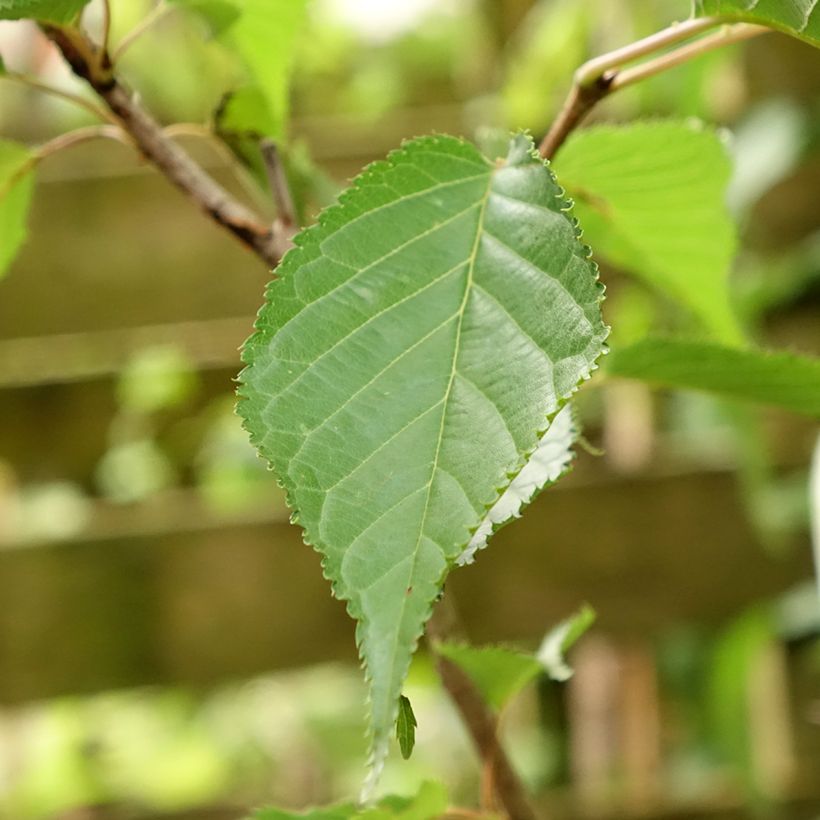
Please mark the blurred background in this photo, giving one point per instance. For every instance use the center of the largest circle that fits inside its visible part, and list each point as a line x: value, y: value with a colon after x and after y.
x: 168, y: 647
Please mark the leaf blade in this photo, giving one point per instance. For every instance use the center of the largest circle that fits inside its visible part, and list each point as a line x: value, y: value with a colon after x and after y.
x: 800, y: 18
x: 404, y: 368
x: 52, y: 11
x: 406, y: 727
x: 16, y: 186
x: 651, y: 197
x: 781, y: 379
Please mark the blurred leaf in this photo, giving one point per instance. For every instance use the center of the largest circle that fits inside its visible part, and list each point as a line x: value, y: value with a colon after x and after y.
x: 559, y: 640
x: 448, y: 302
x: 245, y: 111
x: 158, y: 377
x: 265, y: 37
x: 800, y: 18
x: 133, y: 471
x: 53, y: 11
x: 651, y: 198
x: 550, y: 461
x: 16, y: 185
x: 406, y: 727
x: 429, y: 803
x: 498, y: 673
x: 217, y: 14
x: 780, y: 379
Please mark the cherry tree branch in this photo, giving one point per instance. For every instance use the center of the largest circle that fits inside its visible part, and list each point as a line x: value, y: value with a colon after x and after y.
x: 602, y: 76
x: 93, y: 65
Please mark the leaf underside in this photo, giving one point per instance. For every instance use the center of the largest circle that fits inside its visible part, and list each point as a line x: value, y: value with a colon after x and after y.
x: 16, y: 185
x: 405, y: 365
x: 800, y: 18
x: 54, y: 11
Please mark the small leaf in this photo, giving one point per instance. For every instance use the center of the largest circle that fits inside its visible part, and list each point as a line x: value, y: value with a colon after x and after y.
x: 406, y: 727
x: 547, y: 464
x: 556, y: 643
x: 800, y: 18
x: 52, y: 11
x: 779, y: 379
x: 428, y: 804
x: 498, y: 673
x: 651, y: 197
x: 16, y: 185
x: 406, y: 364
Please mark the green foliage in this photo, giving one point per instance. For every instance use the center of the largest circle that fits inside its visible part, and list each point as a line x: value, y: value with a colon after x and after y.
x: 430, y: 802
x: 651, y: 198
x: 800, y: 18
x: 53, y: 11
x: 498, y: 673
x: 558, y: 641
x: 405, y: 365
x: 780, y: 379
x: 16, y: 184
x: 406, y: 727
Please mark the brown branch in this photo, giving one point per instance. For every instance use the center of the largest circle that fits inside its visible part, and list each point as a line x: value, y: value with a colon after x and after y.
x: 602, y: 76
x: 93, y: 65
x: 478, y: 718
x: 286, y: 224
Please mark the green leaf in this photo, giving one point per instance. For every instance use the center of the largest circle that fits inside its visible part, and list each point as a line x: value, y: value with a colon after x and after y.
x: 550, y: 461
x: 780, y: 379
x: 404, y: 367
x: 16, y: 185
x: 498, y: 673
x: 651, y: 198
x: 800, y: 18
x: 53, y: 11
x: 218, y: 15
x: 265, y: 36
x: 559, y: 640
x: 429, y: 803
x: 406, y: 727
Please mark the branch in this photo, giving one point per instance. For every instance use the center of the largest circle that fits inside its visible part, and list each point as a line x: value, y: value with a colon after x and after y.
x: 286, y: 223
x: 161, y: 151
x: 600, y: 77
x: 479, y: 720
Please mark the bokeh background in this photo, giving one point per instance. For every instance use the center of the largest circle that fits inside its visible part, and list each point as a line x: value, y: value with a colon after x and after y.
x: 168, y: 647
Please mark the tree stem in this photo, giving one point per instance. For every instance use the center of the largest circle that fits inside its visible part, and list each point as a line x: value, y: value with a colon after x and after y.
x: 478, y: 718
x: 601, y: 76
x: 160, y: 150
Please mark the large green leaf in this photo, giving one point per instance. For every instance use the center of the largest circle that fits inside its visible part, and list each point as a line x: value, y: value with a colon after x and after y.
x: 54, y: 11
x: 16, y: 184
x: 780, y: 379
x: 651, y: 198
x: 800, y: 18
x: 405, y: 365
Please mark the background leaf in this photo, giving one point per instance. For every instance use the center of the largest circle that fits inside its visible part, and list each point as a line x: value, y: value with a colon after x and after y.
x: 651, y: 198
x: 54, y: 11
x: 16, y: 185
x: 800, y: 18
x: 498, y: 673
x: 781, y: 379
x: 405, y: 365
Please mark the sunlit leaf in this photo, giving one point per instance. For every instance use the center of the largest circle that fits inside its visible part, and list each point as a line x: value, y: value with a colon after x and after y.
x: 16, y: 185
x: 406, y: 727
x: 405, y: 365
x: 219, y: 15
x: 498, y: 673
x: 54, y: 11
x: 651, y: 197
x: 558, y: 641
x: 780, y: 379
x: 800, y: 18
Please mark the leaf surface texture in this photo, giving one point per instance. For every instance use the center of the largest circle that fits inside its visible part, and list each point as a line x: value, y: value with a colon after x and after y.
x: 405, y: 364
x: 800, y: 18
